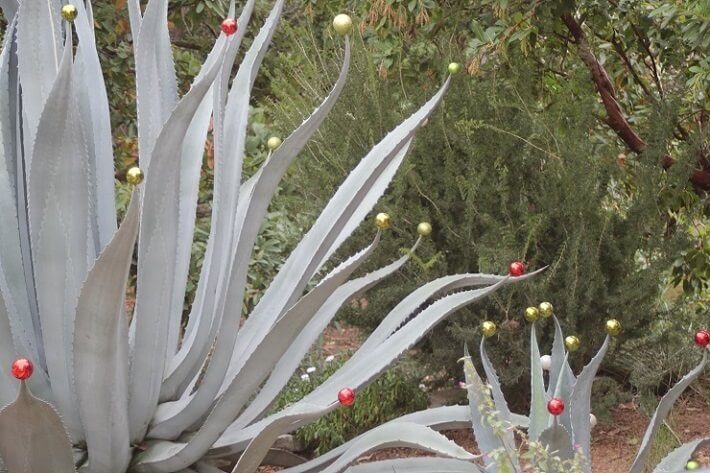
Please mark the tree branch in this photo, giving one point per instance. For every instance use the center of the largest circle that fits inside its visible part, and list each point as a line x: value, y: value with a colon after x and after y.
x: 616, y: 118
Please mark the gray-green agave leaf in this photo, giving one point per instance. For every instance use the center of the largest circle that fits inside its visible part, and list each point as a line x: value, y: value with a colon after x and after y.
x: 37, y: 441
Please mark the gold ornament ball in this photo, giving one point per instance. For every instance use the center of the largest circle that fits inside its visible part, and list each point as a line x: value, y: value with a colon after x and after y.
x: 343, y: 24
x: 531, y: 314
x: 134, y: 176
x: 612, y: 327
x: 692, y: 465
x: 546, y: 309
x: 382, y: 220
x: 424, y: 229
x: 69, y: 12
x: 273, y: 143
x: 488, y: 328
x: 572, y: 343
x: 454, y: 68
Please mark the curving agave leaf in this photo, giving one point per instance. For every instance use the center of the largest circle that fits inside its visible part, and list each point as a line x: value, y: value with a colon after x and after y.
x: 401, y: 434
x: 259, y: 363
x: 350, y: 204
x: 156, y: 85
x: 539, y: 416
x: 9, y: 9
x: 557, y: 441
x: 14, y: 284
x: 7, y: 356
x: 299, y: 347
x: 156, y: 258
x: 233, y: 441
x: 417, y: 465
x: 488, y: 438
x: 101, y: 350
x: 223, y: 226
x: 201, y: 327
x: 563, y: 390
x: 93, y: 103
x: 501, y: 406
x: 190, y: 170
x: 58, y: 212
x: 258, y: 448
x: 678, y: 458
x: 580, y: 401
x: 559, y: 364
x: 664, y: 407
x: 256, y: 195
x: 28, y: 426
x: 419, y: 296
x: 39, y: 52
x: 561, y: 377
x: 135, y: 17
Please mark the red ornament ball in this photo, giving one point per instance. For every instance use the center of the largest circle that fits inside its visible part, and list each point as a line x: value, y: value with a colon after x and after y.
x: 229, y: 26
x: 22, y: 369
x: 346, y: 397
x: 516, y: 268
x: 702, y: 338
x: 556, y: 406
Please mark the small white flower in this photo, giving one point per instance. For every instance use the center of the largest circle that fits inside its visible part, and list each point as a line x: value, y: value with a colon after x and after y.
x: 422, y: 386
x: 593, y: 420
x: 311, y: 369
x: 305, y: 377
x: 330, y: 358
x: 546, y: 362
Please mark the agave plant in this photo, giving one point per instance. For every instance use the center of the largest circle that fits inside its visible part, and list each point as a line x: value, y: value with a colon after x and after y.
x: 103, y: 392
x: 554, y: 438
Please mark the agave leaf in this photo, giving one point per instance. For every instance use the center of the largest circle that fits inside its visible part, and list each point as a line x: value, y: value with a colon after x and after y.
x: 558, y: 442
x: 156, y: 84
x: 401, y: 434
x: 664, y: 407
x: 226, y: 194
x: 39, y: 52
x: 259, y: 446
x: 359, y: 373
x: 538, y: 412
x: 501, y: 406
x: 9, y: 8
x: 190, y: 170
x: 251, y: 210
x: 156, y: 258
x: 168, y: 456
x: 256, y: 366
x: 255, y: 197
x: 484, y: 432
x: 135, y: 17
x: 101, y: 350
x: 418, y: 297
x: 234, y: 440
x: 563, y: 390
x: 294, y: 354
x: 559, y: 364
x: 201, y: 327
x: 580, y: 401
x: 93, y: 101
x: 350, y: 204
x: 28, y: 426
x: 7, y: 356
x: 58, y: 214
x: 678, y: 458
x: 416, y: 465
x: 14, y: 285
